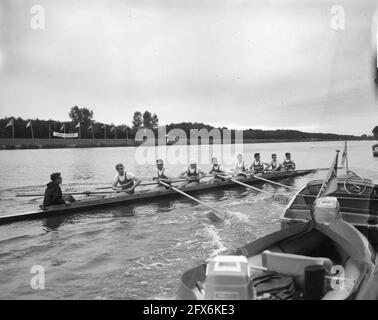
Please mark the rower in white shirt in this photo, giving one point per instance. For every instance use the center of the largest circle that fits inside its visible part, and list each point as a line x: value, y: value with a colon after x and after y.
x: 193, y: 174
x: 162, y: 174
x: 240, y: 169
x: 216, y: 169
x: 125, y: 181
x: 274, y: 165
x: 258, y: 166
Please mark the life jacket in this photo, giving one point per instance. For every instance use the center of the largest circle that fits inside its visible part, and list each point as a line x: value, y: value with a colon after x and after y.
x: 216, y: 169
x: 125, y: 182
x: 258, y: 166
x: 288, y: 164
x: 240, y: 167
x: 161, y: 174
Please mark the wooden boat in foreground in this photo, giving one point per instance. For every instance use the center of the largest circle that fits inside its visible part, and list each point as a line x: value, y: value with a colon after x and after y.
x: 121, y: 199
x: 358, y: 200
x: 285, y: 258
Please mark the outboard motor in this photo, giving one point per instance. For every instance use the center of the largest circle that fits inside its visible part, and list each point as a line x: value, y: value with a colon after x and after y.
x: 228, y: 278
x: 327, y: 210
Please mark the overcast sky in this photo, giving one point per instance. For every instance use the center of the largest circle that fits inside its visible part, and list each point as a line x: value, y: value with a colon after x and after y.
x: 240, y: 64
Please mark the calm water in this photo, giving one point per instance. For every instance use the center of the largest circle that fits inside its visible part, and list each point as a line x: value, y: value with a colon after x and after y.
x: 108, y: 254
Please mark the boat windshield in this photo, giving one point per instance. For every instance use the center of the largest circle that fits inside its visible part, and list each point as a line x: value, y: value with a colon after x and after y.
x: 366, y: 202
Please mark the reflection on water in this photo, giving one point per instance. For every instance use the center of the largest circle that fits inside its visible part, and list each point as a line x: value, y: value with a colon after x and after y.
x: 135, y: 251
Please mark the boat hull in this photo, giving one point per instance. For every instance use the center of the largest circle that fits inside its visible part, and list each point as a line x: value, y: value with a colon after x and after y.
x: 309, y: 240
x: 117, y: 200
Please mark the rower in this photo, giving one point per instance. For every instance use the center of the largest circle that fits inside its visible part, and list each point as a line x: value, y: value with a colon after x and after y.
x: 193, y: 174
x: 257, y: 166
x: 126, y: 180
x: 240, y: 168
x: 274, y: 165
x: 288, y: 163
x: 161, y: 175
x: 216, y: 169
x: 53, y: 193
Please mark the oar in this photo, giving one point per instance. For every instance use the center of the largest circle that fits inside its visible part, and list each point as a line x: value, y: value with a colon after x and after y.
x: 71, y: 193
x: 320, y: 169
x: 216, y: 216
x: 144, y: 184
x: 274, y: 196
x: 273, y: 182
x: 154, y: 182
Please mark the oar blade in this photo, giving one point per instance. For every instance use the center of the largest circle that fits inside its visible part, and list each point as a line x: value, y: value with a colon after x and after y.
x: 281, y: 198
x: 217, y: 216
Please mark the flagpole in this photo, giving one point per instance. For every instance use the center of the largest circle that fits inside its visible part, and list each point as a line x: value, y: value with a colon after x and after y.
x: 32, y: 133
x: 49, y: 131
x: 346, y: 158
x: 105, y: 130
x: 115, y: 133
x: 312, y: 209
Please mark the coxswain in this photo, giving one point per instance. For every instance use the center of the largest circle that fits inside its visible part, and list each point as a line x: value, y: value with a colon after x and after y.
x: 216, y: 169
x: 193, y: 174
x: 53, y: 192
x: 257, y: 166
x: 125, y: 181
x: 274, y: 165
x: 288, y: 163
x: 240, y: 169
x: 161, y: 175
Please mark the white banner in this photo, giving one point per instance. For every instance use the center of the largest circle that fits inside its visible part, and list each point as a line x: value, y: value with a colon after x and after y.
x: 65, y: 135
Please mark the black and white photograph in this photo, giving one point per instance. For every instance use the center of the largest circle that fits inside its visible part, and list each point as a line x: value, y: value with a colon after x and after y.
x: 165, y: 150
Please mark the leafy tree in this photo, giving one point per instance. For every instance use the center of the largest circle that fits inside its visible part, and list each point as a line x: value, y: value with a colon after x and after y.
x: 375, y: 132
x: 155, y: 121
x: 147, y: 120
x: 82, y: 115
x: 137, y: 121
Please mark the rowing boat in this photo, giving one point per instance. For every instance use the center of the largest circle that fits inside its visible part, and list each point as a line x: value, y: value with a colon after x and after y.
x: 358, y: 200
x: 139, y: 196
x: 279, y: 265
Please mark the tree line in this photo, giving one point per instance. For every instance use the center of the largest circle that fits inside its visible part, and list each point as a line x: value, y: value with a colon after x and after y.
x: 89, y: 128
x: 258, y: 134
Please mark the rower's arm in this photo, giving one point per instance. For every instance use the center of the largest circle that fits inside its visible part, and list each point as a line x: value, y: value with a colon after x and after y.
x: 115, y: 183
x: 202, y: 174
x: 137, y: 182
x: 183, y: 174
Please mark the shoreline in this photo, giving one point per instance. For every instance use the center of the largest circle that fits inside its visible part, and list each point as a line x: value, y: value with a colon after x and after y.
x: 25, y: 144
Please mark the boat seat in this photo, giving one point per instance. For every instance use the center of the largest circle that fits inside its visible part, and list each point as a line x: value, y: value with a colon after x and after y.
x: 291, y: 264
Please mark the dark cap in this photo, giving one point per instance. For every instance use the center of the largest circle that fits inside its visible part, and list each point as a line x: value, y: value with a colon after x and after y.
x: 287, y: 154
x: 274, y: 155
x: 55, y: 176
x: 257, y: 154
